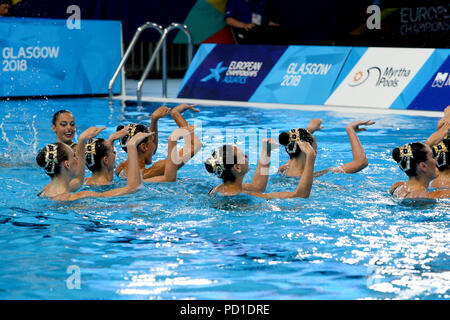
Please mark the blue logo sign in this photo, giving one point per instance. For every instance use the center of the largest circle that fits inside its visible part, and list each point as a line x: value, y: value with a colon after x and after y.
x: 434, y: 96
x: 237, y: 71
x: 303, y: 75
x: 215, y: 73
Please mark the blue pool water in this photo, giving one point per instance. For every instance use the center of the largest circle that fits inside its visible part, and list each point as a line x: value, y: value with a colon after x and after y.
x: 349, y: 240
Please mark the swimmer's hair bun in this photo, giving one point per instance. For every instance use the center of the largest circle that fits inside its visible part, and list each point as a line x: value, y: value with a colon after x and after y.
x: 283, y: 138
x: 209, y: 166
x: 50, y: 158
x: 441, y: 152
x: 221, y: 162
x: 133, y: 129
x: 396, y: 154
x: 215, y: 165
x: 409, y: 156
x: 289, y: 140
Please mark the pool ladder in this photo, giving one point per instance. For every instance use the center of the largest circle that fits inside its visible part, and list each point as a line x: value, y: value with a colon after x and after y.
x: 160, y: 45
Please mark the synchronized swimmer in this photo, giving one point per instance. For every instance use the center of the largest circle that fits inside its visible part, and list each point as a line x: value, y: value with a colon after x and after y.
x: 426, y: 164
x: 296, y: 164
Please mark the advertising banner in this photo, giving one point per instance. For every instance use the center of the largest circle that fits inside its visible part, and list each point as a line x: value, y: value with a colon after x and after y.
x: 230, y: 72
x: 46, y: 57
x: 435, y: 95
x: 379, y: 77
x: 275, y: 74
x: 395, y: 78
x: 302, y: 75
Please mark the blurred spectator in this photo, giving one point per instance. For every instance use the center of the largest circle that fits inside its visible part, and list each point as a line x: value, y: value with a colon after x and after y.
x: 251, y: 24
x: 5, y: 5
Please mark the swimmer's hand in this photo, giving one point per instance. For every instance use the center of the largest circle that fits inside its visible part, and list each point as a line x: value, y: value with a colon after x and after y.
x: 138, y: 137
x: 447, y: 111
x: 437, y: 136
x: 314, y: 125
x: 89, y: 133
x: 182, y: 132
x: 445, y: 120
x: 355, y: 125
x: 119, y: 134
x: 307, y: 149
x: 183, y: 107
x: 159, y: 113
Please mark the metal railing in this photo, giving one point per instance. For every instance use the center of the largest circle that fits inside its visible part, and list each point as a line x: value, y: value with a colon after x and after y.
x: 162, y: 43
x: 147, y: 25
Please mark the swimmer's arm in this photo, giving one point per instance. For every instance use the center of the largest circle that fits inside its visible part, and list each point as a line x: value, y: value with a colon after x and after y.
x: 77, y: 182
x: 89, y: 133
x: 173, y: 160
x: 304, y: 185
x: 157, y: 169
x: 445, y: 119
x: 314, y: 125
x: 437, y: 136
x: 107, y: 194
x: 359, y: 157
x: 133, y: 178
x: 439, y: 194
x: 192, y: 146
x: 261, y: 176
x: 121, y: 167
x: 170, y: 169
x: 156, y: 115
x: 117, y: 135
x: 192, y: 142
x: 325, y: 171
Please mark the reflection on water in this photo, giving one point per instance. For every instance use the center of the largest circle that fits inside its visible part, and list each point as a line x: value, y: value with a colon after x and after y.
x: 349, y: 240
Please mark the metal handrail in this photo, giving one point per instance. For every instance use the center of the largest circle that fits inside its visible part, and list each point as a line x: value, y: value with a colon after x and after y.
x: 162, y: 43
x: 139, y: 30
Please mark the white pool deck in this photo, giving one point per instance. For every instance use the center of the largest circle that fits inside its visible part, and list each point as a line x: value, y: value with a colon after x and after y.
x: 152, y: 92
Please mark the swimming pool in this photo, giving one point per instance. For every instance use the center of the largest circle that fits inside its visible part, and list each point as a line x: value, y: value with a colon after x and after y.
x: 349, y: 240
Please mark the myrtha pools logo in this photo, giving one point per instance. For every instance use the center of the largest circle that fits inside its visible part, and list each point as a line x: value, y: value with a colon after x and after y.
x: 442, y: 79
x: 236, y: 72
x: 390, y: 77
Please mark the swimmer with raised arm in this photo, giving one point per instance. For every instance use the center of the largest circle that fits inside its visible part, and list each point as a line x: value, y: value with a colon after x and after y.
x: 417, y: 161
x: 441, y: 151
x: 101, y: 158
x: 146, y: 152
x: 63, y: 125
x: 230, y: 164
x: 439, y: 142
x: 62, y: 165
x: 158, y: 168
x: 295, y: 165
